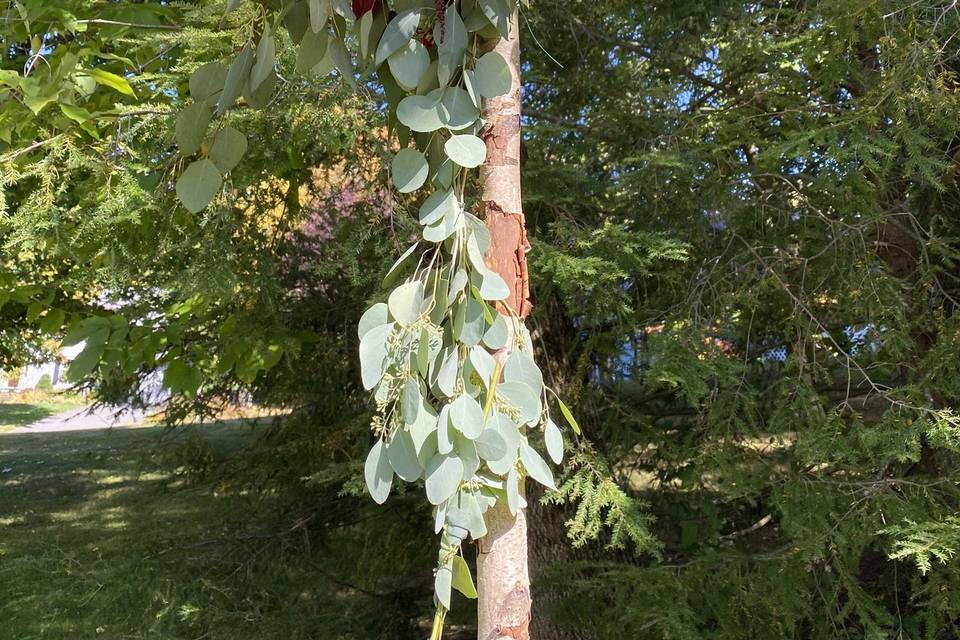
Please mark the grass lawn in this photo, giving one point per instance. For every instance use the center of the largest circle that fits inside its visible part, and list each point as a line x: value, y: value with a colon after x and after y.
x: 19, y: 409
x: 102, y: 537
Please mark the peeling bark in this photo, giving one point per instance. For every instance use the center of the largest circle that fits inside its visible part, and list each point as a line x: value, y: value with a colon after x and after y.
x: 503, y: 578
x: 500, y: 175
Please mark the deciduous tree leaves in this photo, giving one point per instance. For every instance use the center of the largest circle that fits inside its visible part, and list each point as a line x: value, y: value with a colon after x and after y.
x: 112, y: 80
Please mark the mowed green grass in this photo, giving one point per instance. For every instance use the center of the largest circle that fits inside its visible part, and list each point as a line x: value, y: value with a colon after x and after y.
x: 100, y: 538
x: 18, y: 410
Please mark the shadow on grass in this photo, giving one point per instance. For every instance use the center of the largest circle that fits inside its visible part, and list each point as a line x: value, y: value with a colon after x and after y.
x: 101, y: 535
x: 17, y: 414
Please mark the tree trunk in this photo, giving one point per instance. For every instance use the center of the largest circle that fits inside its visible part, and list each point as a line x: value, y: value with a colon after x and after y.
x: 502, y: 576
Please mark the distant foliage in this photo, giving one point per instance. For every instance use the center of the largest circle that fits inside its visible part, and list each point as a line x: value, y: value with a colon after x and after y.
x: 45, y: 383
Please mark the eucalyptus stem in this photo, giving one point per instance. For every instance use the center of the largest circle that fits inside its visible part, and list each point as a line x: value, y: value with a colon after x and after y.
x: 488, y: 405
x: 437, y: 631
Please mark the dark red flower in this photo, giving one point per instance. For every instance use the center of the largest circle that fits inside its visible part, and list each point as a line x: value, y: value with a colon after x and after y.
x: 360, y: 7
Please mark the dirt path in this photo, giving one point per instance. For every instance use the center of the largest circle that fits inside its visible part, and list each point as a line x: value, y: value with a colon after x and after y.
x: 84, y: 419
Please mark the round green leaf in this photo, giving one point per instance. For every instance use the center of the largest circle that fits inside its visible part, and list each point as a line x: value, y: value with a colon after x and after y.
x: 444, y: 436
x: 483, y: 362
x: 443, y: 476
x: 466, y: 150
x: 228, y: 148
x: 403, y: 456
x: 191, y: 127
x: 462, y: 581
x: 439, y: 205
x: 342, y: 61
x: 312, y: 50
x: 554, y: 441
x: 470, y: 506
x: 412, y: 401
x: 451, y: 39
x: 410, y: 170
x: 491, y: 445
x: 521, y: 396
x: 398, y: 32
x: 236, y: 79
x: 405, y: 302
x: 492, y: 76
x: 513, y: 490
x: 259, y: 97
x: 378, y: 473
x: 537, y: 468
x: 471, y: 323
x: 442, y: 583
x: 498, y: 334
x: 199, y: 185
x: 207, y: 81
x: 395, y: 268
x: 498, y: 12
x: 468, y: 82
x: 466, y: 416
x: 421, y: 113
x: 447, y: 376
x: 492, y: 286
x: 457, y: 110
x: 265, y: 59
x: 520, y: 367
x: 424, y: 432
x: 373, y: 353
x: 319, y: 11
x: 408, y: 64
x: 372, y: 317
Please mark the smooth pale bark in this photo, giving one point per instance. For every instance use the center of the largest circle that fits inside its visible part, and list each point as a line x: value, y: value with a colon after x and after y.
x: 503, y: 578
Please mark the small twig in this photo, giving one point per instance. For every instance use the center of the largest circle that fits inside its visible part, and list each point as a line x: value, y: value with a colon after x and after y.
x: 133, y: 25
x: 759, y: 524
x: 36, y: 145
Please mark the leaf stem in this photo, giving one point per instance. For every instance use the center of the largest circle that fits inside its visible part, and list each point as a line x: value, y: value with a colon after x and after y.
x: 488, y: 405
x: 437, y: 631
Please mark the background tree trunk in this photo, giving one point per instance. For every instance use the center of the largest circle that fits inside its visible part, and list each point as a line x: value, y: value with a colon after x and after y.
x: 502, y: 576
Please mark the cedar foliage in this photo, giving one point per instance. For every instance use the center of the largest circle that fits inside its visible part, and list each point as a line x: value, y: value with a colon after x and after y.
x: 746, y: 222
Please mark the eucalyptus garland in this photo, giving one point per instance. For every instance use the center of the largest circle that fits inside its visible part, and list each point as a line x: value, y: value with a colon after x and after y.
x: 449, y: 412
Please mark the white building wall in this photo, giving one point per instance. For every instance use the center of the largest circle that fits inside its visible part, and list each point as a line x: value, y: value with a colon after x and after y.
x: 31, y: 374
